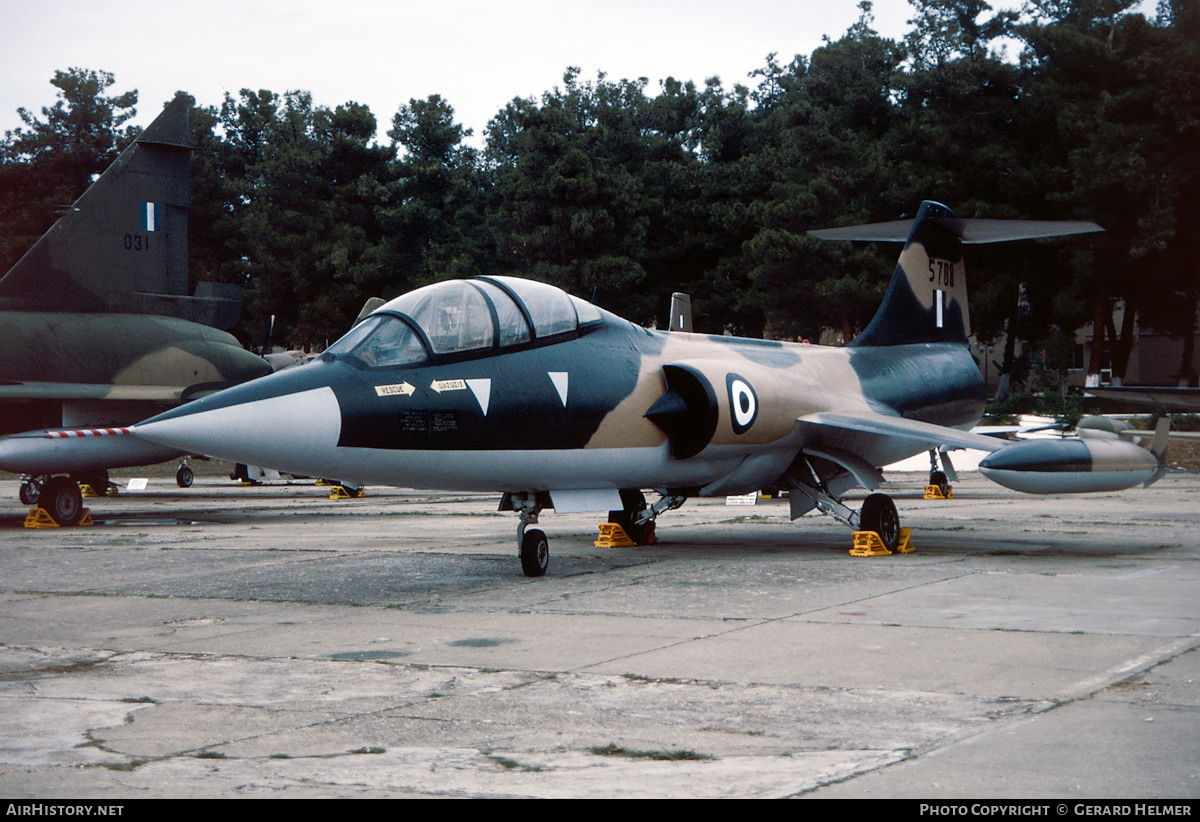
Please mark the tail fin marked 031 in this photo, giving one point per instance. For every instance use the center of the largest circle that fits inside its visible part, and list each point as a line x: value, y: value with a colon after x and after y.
x: 122, y: 247
x: 926, y: 300
x: 125, y: 236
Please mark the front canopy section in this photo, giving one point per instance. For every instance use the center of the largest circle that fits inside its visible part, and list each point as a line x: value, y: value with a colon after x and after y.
x: 459, y: 318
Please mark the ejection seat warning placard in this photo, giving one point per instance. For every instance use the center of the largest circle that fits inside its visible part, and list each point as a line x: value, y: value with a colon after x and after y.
x: 425, y: 422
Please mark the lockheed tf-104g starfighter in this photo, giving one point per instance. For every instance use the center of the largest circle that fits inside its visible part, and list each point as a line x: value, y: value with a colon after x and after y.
x: 508, y: 385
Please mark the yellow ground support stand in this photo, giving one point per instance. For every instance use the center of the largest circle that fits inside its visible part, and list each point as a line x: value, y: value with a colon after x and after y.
x: 86, y: 490
x: 39, y: 518
x: 935, y: 492
x: 868, y: 544
x: 342, y: 492
x: 613, y: 535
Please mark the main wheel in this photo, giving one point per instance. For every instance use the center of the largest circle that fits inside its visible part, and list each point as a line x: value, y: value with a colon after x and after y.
x: 878, y: 514
x: 633, y: 501
x: 60, y: 498
x: 535, y: 553
x: 184, y: 477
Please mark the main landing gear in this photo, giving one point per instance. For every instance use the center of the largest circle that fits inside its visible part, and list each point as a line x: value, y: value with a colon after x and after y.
x: 59, y: 497
x: 636, y: 517
x: 878, y: 512
x: 938, y: 477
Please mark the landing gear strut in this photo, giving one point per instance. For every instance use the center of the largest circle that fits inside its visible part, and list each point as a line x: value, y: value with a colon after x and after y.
x: 638, y: 518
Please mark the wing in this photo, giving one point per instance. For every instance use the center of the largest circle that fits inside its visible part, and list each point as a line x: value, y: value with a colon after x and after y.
x: 879, y: 433
x: 1170, y: 399
x: 88, y: 391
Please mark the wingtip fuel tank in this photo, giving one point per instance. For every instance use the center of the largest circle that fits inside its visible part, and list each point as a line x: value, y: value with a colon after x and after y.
x: 1064, y: 466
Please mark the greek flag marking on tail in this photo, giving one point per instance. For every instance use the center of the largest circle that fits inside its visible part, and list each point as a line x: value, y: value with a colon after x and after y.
x: 940, y: 301
x: 151, y: 216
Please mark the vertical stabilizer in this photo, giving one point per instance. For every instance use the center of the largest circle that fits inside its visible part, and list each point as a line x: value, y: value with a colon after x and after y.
x: 926, y: 300
x: 681, y: 312
x: 122, y: 247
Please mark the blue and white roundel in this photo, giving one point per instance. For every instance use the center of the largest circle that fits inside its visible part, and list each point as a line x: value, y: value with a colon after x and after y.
x: 743, y: 403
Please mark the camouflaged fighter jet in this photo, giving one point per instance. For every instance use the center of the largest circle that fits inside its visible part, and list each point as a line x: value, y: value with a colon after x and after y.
x: 98, y: 329
x: 508, y: 385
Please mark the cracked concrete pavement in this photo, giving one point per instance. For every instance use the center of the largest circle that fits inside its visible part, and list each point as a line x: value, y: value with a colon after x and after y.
x: 251, y: 642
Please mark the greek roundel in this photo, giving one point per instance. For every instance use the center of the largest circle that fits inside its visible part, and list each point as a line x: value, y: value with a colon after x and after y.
x: 743, y: 403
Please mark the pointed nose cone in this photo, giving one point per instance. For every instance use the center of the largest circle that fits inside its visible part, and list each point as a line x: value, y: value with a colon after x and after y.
x: 286, y: 430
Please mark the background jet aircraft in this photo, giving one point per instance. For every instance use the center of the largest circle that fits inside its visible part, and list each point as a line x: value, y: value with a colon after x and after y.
x: 1165, y: 398
x: 99, y: 330
x: 509, y: 385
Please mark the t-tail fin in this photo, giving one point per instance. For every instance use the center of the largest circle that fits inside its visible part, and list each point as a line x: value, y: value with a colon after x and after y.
x: 122, y: 246
x: 926, y: 300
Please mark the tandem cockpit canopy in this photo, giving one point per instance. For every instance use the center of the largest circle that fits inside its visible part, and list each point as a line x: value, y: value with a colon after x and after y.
x: 461, y: 317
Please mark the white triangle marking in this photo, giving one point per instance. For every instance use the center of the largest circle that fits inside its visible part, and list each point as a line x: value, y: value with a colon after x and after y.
x: 559, y: 378
x: 482, y: 389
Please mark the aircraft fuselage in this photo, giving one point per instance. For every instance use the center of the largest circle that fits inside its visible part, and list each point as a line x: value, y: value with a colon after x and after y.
x: 572, y: 413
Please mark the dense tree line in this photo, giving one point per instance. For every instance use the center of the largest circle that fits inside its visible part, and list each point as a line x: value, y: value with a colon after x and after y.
x: 622, y: 193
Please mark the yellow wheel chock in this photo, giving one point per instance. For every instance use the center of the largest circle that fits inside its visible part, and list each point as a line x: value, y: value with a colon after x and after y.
x: 40, y: 518
x: 935, y: 492
x: 86, y: 490
x: 612, y: 535
x: 868, y: 544
x: 342, y: 492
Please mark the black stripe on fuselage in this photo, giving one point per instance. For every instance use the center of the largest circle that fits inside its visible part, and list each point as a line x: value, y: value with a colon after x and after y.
x: 932, y: 382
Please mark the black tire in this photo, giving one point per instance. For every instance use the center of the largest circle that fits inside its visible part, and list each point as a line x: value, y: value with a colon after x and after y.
x: 60, y: 498
x: 939, y: 479
x: 535, y: 553
x: 184, y: 477
x: 633, y: 501
x: 29, y: 493
x: 879, y: 514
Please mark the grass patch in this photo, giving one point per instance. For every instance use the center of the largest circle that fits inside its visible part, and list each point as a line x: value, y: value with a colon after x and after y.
x: 512, y: 764
x: 612, y: 749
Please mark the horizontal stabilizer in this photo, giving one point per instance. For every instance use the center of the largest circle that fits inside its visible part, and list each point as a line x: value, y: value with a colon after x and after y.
x: 970, y: 231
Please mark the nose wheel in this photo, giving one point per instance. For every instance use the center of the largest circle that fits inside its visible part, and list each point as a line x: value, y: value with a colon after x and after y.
x: 532, y: 546
x: 535, y: 552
